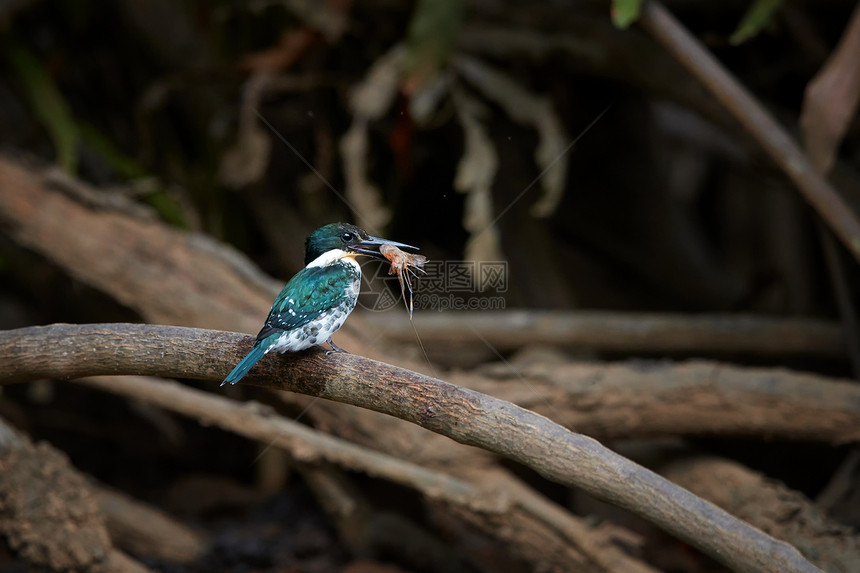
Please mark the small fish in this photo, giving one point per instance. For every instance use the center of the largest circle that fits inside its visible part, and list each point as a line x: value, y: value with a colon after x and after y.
x: 404, y: 265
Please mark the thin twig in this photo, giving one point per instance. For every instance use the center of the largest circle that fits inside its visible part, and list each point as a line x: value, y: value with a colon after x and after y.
x: 660, y: 23
x: 829, y: 103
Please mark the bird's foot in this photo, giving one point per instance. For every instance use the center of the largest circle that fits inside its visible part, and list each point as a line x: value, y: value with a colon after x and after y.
x: 335, y: 347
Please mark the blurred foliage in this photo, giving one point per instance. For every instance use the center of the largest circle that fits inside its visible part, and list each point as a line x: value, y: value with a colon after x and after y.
x: 119, y: 163
x: 625, y: 12
x: 166, y: 207
x: 47, y: 102
x: 432, y: 36
x: 759, y: 15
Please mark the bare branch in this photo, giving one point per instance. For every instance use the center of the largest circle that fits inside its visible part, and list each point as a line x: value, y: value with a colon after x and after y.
x: 66, y: 532
x: 141, y: 529
x: 575, y: 545
x: 832, y: 98
x: 756, y: 119
x: 639, y: 399
x: 69, y: 351
x: 623, y: 332
x: 766, y: 503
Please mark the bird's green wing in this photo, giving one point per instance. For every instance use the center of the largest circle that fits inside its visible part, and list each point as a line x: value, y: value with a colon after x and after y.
x: 311, y: 292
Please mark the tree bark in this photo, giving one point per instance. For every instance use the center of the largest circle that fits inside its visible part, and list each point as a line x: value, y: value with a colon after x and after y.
x: 771, y: 506
x: 628, y: 333
x: 486, y: 499
x: 68, y: 351
x: 646, y: 399
x: 66, y: 530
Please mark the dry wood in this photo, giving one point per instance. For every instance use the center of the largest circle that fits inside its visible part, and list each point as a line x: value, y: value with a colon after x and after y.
x: 143, y: 530
x: 167, y: 275
x: 829, y: 104
x: 534, y: 520
x: 639, y: 399
x: 491, y: 502
x: 305, y: 444
x: 68, y: 351
x: 65, y: 531
x: 157, y: 271
x: 770, y: 506
x: 660, y: 23
x: 627, y: 333
x: 840, y: 498
x: 178, y: 278
x: 174, y: 277
x: 367, y: 530
x: 832, y: 98
x: 171, y: 267
x: 46, y: 221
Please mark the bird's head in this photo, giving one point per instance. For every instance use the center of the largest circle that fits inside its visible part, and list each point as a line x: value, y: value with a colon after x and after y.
x: 345, y: 237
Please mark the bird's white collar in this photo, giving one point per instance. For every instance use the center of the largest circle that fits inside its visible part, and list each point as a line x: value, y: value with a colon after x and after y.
x: 333, y: 256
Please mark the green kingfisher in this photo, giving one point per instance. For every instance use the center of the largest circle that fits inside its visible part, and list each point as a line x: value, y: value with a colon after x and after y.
x: 314, y: 304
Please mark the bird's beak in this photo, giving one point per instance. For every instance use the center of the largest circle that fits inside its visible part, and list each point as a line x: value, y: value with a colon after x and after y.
x: 370, y: 246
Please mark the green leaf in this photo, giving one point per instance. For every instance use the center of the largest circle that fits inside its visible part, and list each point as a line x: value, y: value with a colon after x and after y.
x: 47, y: 103
x: 625, y: 12
x: 432, y: 35
x: 167, y: 207
x: 122, y: 165
x: 757, y: 17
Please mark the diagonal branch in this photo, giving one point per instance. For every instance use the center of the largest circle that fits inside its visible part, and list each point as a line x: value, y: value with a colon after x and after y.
x: 832, y: 98
x: 784, y: 151
x: 72, y: 351
x: 491, y: 503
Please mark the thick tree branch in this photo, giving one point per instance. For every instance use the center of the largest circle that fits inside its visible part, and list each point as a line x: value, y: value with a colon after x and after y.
x: 68, y: 351
x: 175, y: 278
x: 765, y: 503
x: 489, y: 502
x: 638, y: 399
x: 66, y: 532
x: 660, y: 23
x: 622, y: 332
x: 306, y: 445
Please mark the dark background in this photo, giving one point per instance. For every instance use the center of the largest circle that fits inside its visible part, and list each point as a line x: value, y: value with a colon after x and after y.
x: 667, y: 204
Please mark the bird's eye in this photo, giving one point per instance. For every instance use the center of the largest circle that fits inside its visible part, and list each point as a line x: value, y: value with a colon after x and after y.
x: 347, y: 237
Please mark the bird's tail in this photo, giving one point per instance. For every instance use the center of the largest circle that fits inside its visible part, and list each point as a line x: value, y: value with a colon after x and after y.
x: 242, y: 368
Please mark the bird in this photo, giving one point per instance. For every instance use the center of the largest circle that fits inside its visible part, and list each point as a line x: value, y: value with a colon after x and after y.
x: 316, y: 302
